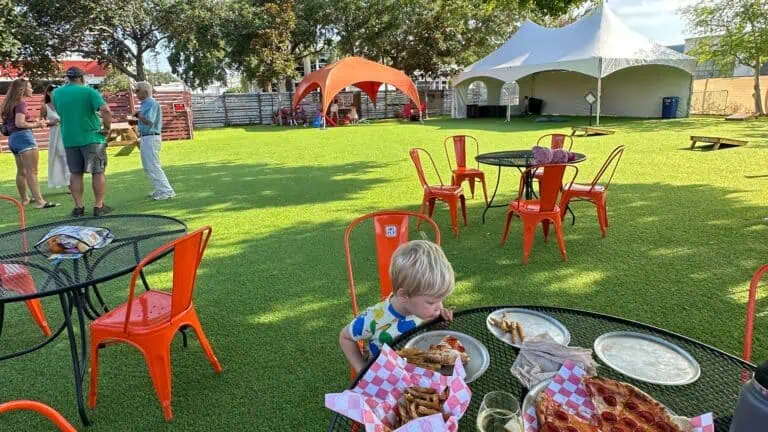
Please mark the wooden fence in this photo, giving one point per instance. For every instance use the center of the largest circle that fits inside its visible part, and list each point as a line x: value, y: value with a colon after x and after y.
x: 177, y: 120
x: 233, y: 109
x: 723, y: 96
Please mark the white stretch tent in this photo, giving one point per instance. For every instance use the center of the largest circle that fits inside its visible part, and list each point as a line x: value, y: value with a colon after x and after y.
x: 628, y: 72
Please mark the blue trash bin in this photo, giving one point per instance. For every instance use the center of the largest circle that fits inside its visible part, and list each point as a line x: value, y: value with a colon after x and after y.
x: 669, y: 107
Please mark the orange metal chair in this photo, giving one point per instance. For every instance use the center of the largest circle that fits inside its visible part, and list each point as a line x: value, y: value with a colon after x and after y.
x: 28, y: 405
x: 451, y: 195
x: 390, y: 230
x: 17, y: 277
x: 751, y: 304
x: 594, y: 192
x: 556, y: 141
x: 542, y: 210
x: 462, y: 172
x: 150, y: 321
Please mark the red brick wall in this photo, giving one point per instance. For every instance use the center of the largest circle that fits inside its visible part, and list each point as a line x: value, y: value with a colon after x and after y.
x: 176, y: 126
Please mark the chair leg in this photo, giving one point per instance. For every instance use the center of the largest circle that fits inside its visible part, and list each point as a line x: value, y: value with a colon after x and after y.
x: 36, y: 310
x: 560, y: 239
x: 431, y: 207
x: 463, y: 202
x: 485, y: 190
x: 159, y: 364
x: 94, y: 373
x: 545, y: 227
x: 421, y: 210
x: 206, y: 346
x: 529, y: 232
x: 601, y: 217
x: 564, y: 202
x: 453, y: 208
x: 472, y: 186
x: 506, y: 228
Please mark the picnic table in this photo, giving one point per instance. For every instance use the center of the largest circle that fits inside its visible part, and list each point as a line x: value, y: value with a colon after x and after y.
x: 520, y: 159
x: 75, y: 280
x: 716, y: 390
x: 122, y: 134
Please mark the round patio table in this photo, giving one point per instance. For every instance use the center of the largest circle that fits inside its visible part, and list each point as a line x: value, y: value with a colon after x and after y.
x: 520, y: 159
x: 716, y: 390
x: 30, y: 274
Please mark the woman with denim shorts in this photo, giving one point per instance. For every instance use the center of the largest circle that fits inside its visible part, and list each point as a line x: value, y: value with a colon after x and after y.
x: 21, y: 141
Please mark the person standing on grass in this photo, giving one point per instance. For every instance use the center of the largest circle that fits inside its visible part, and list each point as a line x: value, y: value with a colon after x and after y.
x: 21, y: 140
x: 150, y: 117
x: 58, y: 171
x: 84, y: 136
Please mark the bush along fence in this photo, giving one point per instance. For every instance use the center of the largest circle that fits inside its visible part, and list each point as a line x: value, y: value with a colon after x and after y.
x: 236, y: 109
x: 176, y: 105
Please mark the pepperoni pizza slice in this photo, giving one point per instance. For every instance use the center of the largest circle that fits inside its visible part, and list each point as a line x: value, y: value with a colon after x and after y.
x: 623, y: 408
x: 553, y: 418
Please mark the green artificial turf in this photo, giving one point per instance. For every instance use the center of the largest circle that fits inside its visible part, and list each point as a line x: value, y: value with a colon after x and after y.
x: 686, y: 234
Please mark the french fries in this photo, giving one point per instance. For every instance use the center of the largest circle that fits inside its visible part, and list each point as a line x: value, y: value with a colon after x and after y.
x: 419, y: 402
x: 514, y: 328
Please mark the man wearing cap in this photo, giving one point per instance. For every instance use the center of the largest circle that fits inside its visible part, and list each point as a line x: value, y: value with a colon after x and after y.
x: 83, y: 133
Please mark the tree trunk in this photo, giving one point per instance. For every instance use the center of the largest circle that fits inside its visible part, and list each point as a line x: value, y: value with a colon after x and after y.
x: 758, y: 93
x: 140, y: 73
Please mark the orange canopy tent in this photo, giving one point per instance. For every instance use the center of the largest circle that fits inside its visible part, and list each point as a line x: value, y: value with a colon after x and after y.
x: 364, y: 74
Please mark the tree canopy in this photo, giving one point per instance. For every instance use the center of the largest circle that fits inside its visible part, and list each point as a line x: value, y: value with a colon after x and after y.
x: 731, y: 32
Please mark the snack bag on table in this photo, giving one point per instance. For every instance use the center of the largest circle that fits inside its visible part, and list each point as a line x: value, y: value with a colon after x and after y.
x: 387, y: 388
x: 71, y: 242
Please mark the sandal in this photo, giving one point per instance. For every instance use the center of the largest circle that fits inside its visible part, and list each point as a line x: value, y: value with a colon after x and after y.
x: 48, y: 205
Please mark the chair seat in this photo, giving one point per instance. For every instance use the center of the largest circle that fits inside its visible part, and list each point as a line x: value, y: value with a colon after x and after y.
x: 468, y: 171
x: 585, y: 188
x: 445, y: 190
x: 530, y: 206
x: 149, y: 310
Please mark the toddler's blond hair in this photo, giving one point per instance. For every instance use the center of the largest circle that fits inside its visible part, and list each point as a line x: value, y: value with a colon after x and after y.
x: 420, y: 268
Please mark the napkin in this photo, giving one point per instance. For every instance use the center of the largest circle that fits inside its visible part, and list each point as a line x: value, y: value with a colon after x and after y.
x: 540, y: 358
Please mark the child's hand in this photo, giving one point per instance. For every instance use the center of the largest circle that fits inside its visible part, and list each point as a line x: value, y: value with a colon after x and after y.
x: 447, y: 314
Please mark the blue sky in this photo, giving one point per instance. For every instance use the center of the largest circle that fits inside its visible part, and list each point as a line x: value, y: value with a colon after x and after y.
x: 656, y: 19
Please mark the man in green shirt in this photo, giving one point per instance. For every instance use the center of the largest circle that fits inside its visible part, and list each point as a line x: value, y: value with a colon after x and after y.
x: 83, y: 134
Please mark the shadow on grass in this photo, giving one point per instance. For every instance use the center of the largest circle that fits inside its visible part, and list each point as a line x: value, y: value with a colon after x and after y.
x: 273, y: 304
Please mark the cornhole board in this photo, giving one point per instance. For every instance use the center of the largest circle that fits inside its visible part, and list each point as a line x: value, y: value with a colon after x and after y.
x: 716, y: 141
x: 589, y: 131
x: 741, y: 117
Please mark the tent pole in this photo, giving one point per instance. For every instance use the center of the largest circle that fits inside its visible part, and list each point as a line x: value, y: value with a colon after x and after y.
x: 599, y: 87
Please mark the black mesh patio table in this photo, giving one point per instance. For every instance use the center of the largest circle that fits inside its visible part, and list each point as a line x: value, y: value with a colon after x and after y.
x: 74, y: 281
x: 520, y: 159
x: 716, y: 390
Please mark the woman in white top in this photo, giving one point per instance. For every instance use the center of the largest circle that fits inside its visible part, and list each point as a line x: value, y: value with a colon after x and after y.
x: 58, y: 171
x: 335, y: 111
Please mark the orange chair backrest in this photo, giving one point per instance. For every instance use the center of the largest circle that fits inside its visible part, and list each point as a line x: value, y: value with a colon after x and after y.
x: 557, y: 141
x: 459, y: 150
x: 416, y: 158
x: 187, y: 254
x: 22, y: 220
x: 390, y: 230
x: 611, y: 162
x: 751, y: 304
x: 551, y: 183
x: 28, y: 405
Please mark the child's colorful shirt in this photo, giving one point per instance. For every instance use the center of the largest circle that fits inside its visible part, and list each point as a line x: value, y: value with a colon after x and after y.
x: 380, y: 324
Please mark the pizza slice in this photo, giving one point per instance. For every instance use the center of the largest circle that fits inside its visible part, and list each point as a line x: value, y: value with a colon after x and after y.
x: 553, y: 418
x: 447, y: 351
x: 622, y: 407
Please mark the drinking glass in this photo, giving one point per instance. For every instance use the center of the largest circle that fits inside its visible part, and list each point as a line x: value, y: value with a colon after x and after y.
x: 499, y: 412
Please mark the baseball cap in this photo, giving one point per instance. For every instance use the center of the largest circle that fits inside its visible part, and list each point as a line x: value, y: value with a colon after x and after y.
x: 75, y: 72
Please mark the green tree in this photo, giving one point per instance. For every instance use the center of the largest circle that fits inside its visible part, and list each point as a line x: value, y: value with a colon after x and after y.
x: 115, y: 81
x: 428, y: 35
x: 731, y: 31
x: 116, y: 35
x: 253, y: 38
x: 157, y: 78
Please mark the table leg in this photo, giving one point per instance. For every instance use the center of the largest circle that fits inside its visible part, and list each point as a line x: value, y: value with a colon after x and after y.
x: 78, y: 359
x: 495, y: 189
x: 529, y: 185
x: 2, y: 316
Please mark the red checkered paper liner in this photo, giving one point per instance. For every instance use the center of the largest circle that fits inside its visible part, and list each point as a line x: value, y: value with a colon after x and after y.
x: 568, y: 390
x: 373, y: 400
